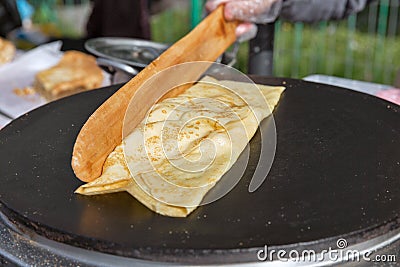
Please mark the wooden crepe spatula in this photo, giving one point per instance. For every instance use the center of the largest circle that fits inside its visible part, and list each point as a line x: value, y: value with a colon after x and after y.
x: 102, y: 132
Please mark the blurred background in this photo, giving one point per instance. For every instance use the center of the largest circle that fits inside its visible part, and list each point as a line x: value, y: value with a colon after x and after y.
x: 365, y: 46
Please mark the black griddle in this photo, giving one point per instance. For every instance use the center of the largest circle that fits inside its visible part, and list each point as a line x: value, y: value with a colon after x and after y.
x: 336, y: 174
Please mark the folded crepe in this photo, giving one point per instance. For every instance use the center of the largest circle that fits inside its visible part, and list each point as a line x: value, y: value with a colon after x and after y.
x: 74, y: 73
x: 185, y: 145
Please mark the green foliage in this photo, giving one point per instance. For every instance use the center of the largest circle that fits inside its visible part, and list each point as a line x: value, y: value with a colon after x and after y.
x: 327, y: 48
x: 333, y: 49
x: 170, y: 25
x: 44, y: 11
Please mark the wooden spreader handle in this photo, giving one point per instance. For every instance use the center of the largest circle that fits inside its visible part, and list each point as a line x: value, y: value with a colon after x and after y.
x: 102, y: 132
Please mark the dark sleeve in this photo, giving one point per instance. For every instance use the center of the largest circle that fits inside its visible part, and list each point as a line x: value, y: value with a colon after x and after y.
x: 319, y: 10
x: 94, y: 23
x: 119, y: 18
x: 9, y: 16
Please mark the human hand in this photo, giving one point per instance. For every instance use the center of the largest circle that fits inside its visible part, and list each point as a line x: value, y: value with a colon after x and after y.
x: 248, y: 11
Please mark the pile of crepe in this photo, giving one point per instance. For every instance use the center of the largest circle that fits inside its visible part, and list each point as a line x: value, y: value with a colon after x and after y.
x: 183, y: 147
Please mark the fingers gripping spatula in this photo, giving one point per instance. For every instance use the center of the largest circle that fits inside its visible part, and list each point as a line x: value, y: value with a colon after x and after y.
x: 103, y: 131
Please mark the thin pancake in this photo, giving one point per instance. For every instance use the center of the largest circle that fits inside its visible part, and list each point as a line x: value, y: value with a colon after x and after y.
x: 185, y: 145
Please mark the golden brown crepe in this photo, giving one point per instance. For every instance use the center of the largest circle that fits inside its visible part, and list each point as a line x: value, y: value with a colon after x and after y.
x: 185, y: 145
x: 7, y: 51
x: 76, y: 72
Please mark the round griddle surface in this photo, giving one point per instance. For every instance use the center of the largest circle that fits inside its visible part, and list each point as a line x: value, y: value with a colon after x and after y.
x: 336, y: 174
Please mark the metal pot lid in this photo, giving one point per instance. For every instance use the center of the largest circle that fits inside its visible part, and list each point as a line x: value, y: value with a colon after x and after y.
x: 135, y: 52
